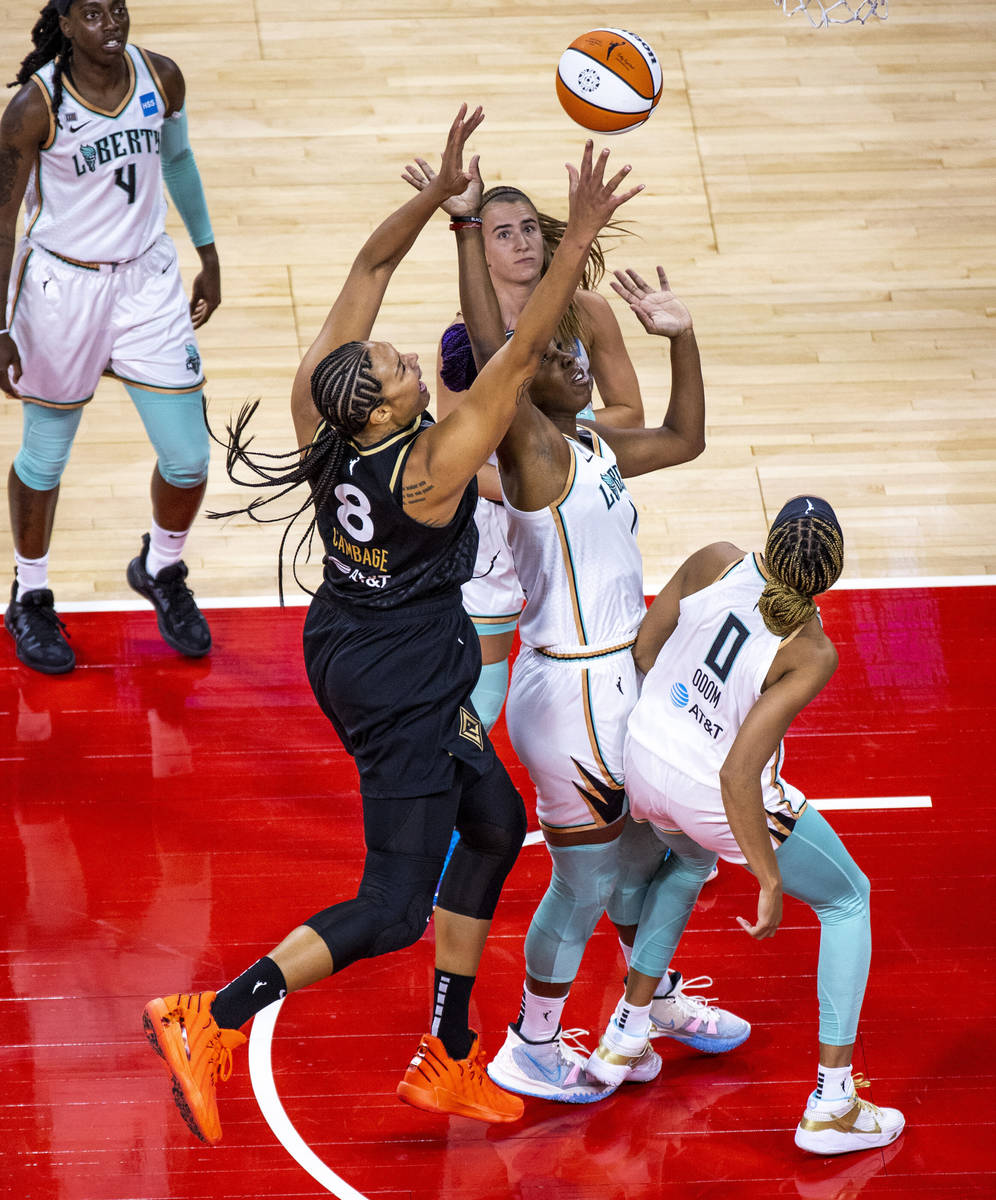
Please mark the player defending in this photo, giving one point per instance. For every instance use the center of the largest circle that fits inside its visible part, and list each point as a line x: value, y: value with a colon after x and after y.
x: 96, y: 128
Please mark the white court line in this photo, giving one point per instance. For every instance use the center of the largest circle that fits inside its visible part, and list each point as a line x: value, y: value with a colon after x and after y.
x: 263, y: 1084
x: 302, y: 600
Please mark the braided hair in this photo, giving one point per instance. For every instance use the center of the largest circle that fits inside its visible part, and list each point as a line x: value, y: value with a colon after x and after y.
x: 804, y: 555
x: 49, y: 42
x: 345, y: 391
x: 572, y: 325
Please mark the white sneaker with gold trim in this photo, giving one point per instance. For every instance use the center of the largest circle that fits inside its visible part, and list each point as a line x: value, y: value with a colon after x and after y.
x: 850, y: 1124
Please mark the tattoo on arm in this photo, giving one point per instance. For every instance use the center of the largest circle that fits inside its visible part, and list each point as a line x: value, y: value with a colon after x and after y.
x: 522, y: 396
x: 10, y: 167
x: 414, y: 494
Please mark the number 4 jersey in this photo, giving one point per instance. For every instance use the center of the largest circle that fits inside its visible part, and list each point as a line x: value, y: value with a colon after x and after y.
x: 707, y: 678
x: 96, y: 191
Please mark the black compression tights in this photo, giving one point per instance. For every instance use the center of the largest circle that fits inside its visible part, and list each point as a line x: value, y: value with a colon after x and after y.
x: 407, y: 841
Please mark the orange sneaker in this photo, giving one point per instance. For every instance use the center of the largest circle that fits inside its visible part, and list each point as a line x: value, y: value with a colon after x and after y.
x: 437, y: 1083
x: 197, y: 1053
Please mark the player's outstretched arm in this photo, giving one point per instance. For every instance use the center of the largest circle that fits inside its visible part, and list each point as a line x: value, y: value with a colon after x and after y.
x: 681, y: 436
x: 447, y: 455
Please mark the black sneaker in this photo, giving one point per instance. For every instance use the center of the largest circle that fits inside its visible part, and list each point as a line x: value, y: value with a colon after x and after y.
x: 180, y: 621
x: 37, y: 632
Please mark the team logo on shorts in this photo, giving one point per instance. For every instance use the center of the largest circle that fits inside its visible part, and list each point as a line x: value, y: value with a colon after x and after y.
x: 193, y: 358
x: 470, y: 728
x: 604, y: 797
x: 89, y: 156
x: 679, y: 695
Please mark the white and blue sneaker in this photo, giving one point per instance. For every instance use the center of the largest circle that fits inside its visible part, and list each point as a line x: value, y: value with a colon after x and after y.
x: 693, y: 1020
x: 623, y: 1058
x: 847, y: 1125
x: 548, y: 1070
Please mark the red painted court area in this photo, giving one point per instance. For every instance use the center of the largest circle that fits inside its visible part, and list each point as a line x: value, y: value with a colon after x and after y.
x: 165, y: 822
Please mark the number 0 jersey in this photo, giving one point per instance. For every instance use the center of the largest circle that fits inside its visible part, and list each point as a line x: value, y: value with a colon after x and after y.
x: 376, y: 556
x: 707, y: 678
x: 95, y: 193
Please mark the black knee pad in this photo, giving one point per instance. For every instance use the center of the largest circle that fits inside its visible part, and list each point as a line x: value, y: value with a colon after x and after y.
x: 492, y: 826
x: 391, y: 910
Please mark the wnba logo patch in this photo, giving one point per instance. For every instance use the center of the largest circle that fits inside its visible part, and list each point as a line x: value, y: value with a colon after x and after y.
x: 679, y: 695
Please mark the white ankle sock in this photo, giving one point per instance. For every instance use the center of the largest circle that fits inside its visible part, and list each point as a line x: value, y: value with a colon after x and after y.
x: 539, y: 1016
x: 632, y: 1019
x: 165, y: 548
x: 833, y: 1084
x: 31, y: 574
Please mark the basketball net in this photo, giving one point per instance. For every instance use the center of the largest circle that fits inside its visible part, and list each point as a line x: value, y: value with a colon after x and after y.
x: 821, y: 13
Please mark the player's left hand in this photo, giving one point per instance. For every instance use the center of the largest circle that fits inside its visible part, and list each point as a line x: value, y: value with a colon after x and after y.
x: 769, y: 915
x: 205, y: 296
x: 658, y: 310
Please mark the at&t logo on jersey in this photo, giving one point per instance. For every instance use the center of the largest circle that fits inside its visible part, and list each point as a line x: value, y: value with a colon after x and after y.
x: 679, y: 695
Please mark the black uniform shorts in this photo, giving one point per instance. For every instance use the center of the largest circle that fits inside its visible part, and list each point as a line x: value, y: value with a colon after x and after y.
x: 396, y: 684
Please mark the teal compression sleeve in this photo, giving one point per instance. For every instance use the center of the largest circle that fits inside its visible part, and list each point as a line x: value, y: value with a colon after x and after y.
x: 183, y: 180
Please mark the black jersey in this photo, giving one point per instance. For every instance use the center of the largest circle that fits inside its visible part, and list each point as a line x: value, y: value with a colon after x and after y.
x: 378, y: 557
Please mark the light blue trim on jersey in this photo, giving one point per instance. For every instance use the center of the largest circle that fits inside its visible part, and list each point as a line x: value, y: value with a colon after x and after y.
x: 183, y: 180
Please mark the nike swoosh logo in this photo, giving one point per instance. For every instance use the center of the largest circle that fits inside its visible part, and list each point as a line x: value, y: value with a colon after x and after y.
x: 550, y: 1076
x: 77, y: 128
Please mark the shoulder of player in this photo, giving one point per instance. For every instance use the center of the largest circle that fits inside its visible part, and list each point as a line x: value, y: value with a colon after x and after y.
x: 596, y: 311
x: 810, y: 651
x: 26, y: 120
x: 169, y: 75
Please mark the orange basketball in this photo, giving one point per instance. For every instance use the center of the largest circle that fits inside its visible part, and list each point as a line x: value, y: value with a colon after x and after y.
x: 609, y: 80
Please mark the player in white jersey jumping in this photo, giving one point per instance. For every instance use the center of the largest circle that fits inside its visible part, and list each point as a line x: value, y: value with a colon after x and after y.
x: 572, y: 531
x: 86, y: 144
x: 519, y: 242
x: 732, y: 650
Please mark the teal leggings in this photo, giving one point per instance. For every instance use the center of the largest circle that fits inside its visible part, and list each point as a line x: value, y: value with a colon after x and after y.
x: 174, y: 422
x: 816, y: 869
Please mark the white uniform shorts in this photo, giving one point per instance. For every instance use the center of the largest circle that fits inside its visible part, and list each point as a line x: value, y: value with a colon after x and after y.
x: 71, y: 324
x: 566, y: 720
x: 674, y: 803
x: 492, y: 596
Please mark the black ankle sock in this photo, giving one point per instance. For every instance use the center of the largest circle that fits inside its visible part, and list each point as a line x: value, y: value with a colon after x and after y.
x: 244, y: 997
x: 451, y: 1013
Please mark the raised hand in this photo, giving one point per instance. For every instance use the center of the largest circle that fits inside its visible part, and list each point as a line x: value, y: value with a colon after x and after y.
x: 657, y: 309
x: 452, y: 179
x: 466, y: 203
x: 592, y: 199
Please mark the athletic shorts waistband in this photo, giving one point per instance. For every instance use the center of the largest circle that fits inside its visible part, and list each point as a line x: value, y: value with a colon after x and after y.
x: 105, y: 268
x: 448, y: 601
x: 583, y: 653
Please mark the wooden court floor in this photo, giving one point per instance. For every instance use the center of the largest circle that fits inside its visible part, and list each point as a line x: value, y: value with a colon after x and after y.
x: 822, y: 199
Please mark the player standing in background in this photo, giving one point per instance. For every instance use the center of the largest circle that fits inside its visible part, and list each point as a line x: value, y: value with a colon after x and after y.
x: 86, y: 144
x: 732, y: 650
x: 519, y: 244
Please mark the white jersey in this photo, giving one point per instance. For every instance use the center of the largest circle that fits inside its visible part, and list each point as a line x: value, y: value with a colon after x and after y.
x: 577, y: 560
x: 707, y: 678
x: 95, y: 194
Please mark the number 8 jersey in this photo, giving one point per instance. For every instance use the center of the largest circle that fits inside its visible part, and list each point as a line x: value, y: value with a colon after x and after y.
x: 95, y: 193
x: 378, y: 557
x: 707, y: 678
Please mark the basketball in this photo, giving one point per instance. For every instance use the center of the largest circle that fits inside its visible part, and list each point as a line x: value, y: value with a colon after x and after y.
x: 609, y: 80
